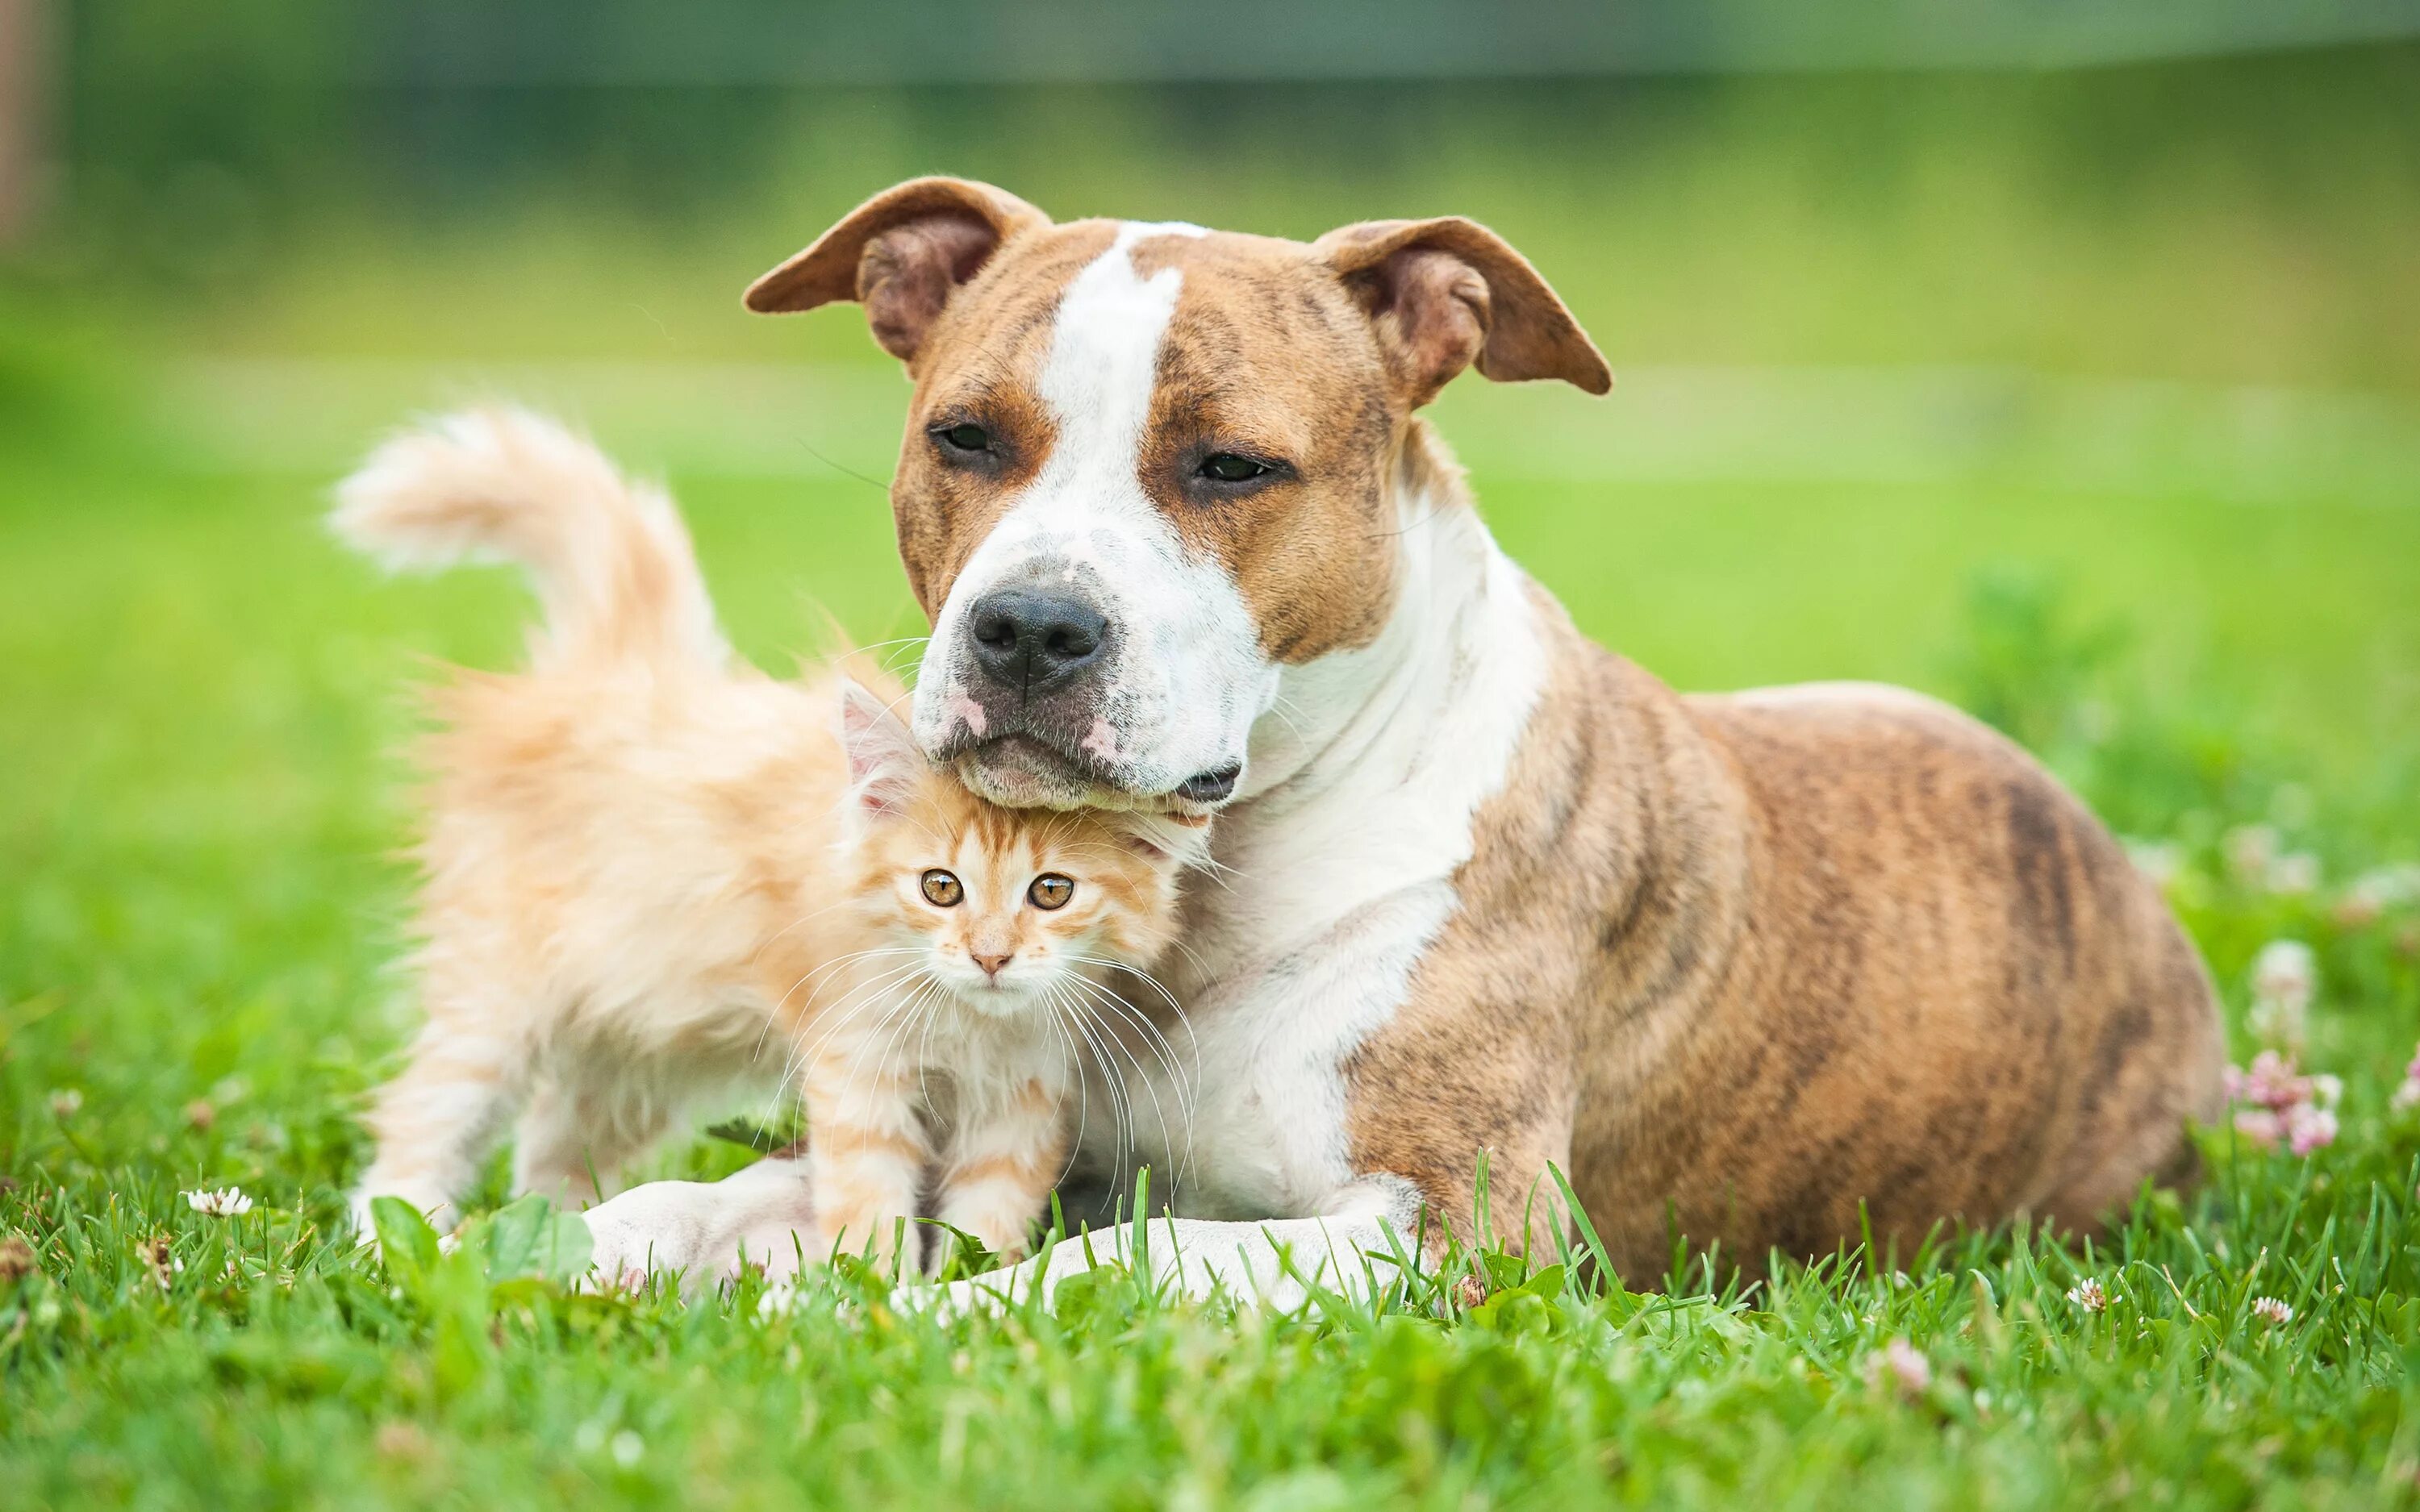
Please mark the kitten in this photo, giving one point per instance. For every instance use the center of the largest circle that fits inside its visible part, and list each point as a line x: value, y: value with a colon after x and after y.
x: 654, y: 875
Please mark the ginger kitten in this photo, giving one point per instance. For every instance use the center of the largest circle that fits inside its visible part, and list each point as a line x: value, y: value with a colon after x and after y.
x: 655, y: 876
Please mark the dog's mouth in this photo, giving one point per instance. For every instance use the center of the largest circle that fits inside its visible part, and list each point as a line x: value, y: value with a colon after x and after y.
x: 1025, y: 770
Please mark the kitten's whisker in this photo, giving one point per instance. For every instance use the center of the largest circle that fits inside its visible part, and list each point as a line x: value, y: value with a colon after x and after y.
x: 1193, y: 955
x: 774, y: 1016
x: 1076, y: 1064
x: 925, y: 1062
x: 905, y: 1019
x: 1146, y: 978
x: 870, y: 990
x: 903, y: 1014
x: 776, y: 937
x: 1106, y: 1038
x: 1162, y: 1049
x: 828, y: 968
x: 1113, y: 1082
x: 1167, y: 1136
x: 837, y: 1017
x: 1192, y: 1040
x: 875, y: 990
x: 833, y: 1020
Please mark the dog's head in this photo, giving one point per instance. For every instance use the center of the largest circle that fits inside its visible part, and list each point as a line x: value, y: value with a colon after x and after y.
x: 1147, y: 466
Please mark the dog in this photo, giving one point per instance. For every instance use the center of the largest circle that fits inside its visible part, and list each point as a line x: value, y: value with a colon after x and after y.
x: 1767, y: 970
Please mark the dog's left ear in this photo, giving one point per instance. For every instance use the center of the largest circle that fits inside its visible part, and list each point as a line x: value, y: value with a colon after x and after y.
x: 1449, y: 293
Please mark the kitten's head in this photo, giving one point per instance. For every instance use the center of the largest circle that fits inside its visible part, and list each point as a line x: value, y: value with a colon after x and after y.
x: 1004, y: 902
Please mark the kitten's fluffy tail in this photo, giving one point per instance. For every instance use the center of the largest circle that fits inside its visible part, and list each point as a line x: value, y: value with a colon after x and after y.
x: 610, y: 558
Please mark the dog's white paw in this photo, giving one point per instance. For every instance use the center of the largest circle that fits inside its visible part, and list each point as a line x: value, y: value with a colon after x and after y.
x: 706, y: 1232
x: 663, y: 1227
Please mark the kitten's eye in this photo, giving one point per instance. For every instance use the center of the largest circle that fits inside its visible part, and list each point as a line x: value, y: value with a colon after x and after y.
x: 1227, y: 467
x: 964, y: 437
x: 1050, y: 890
x: 941, y: 888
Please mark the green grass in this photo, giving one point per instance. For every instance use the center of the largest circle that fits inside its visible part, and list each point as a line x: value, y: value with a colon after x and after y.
x: 2088, y: 400
x: 202, y: 697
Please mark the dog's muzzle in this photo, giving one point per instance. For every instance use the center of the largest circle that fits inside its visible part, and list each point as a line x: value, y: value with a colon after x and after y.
x: 1033, y: 667
x: 1054, y: 690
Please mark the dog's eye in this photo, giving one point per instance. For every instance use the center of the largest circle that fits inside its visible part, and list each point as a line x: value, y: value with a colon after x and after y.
x: 941, y: 888
x: 965, y: 438
x: 1050, y: 890
x: 1226, y: 467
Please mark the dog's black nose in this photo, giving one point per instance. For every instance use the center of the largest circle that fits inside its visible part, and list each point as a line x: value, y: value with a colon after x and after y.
x: 1033, y: 642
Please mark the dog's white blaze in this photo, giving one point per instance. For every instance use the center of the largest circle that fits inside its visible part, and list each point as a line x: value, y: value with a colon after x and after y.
x: 1189, y: 678
x: 1341, y: 874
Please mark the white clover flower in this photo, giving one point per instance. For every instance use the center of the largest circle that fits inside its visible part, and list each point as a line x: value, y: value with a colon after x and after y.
x: 2285, y: 976
x: 2309, y: 1128
x: 2296, y: 873
x: 2407, y: 1095
x: 2087, y: 1295
x: 2270, y: 1311
x: 2275, y: 1103
x: 227, y: 1202
x: 66, y: 1101
x: 2376, y: 890
x: 2250, y: 849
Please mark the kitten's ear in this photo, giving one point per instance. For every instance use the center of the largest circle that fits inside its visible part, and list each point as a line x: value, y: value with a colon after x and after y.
x: 884, y: 760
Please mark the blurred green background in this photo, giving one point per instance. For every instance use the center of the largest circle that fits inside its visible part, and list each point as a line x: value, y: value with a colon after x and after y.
x: 2063, y: 363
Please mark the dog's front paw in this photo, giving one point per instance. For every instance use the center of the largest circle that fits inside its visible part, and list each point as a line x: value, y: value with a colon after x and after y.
x: 663, y: 1227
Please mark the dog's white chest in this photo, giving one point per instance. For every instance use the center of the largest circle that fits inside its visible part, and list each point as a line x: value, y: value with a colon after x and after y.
x: 1246, y: 1109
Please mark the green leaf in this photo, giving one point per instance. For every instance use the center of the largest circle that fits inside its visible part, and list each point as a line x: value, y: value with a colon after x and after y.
x: 968, y: 1255
x: 532, y: 1238
x: 1548, y: 1282
x: 406, y: 1241
x: 764, y: 1138
x: 1504, y: 1272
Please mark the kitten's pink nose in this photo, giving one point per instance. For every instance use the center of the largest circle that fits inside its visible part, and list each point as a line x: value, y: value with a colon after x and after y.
x: 991, y: 963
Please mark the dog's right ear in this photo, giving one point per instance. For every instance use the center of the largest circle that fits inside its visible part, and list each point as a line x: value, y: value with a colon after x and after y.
x: 901, y: 254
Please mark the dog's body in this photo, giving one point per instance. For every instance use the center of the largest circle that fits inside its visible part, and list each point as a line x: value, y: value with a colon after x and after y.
x: 1739, y: 964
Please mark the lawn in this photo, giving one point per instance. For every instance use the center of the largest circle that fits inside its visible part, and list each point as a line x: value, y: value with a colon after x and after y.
x: 1917, y: 382
x: 202, y: 695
